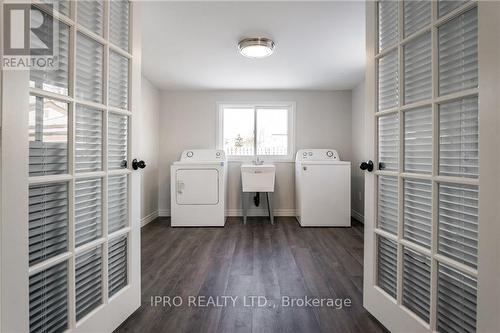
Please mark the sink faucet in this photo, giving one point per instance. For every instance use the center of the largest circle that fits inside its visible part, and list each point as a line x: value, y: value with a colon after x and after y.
x: 258, y: 161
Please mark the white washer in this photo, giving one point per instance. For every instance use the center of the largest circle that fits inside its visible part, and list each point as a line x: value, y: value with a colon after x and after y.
x: 198, y: 189
x: 322, y: 189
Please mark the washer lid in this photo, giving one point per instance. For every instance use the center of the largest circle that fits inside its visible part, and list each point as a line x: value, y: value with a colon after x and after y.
x: 317, y: 155
x: 203, y: 155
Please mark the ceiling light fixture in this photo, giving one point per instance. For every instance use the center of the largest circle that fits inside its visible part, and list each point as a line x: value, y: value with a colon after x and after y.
x: 259, y: 47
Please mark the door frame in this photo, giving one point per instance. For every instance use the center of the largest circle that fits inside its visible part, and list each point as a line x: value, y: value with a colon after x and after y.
x: 375, y: 300
x: 14, y: 270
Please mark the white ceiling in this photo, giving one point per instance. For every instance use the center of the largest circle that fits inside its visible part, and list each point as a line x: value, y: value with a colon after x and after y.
x: 193, y: 45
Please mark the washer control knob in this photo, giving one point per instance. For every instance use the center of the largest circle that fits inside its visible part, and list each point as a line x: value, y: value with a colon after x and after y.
x: 310, y: 153
x: 304, y: 154
x: 329, y: 153
x: 189, y: 154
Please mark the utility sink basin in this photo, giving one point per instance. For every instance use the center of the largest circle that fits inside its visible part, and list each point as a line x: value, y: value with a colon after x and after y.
x: 258, y: 178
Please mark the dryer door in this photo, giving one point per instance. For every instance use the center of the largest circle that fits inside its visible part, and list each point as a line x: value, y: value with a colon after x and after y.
x: 197, y: 187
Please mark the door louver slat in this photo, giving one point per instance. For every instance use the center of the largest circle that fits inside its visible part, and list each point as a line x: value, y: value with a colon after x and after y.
x: 119, y: 23
x: 418, y: 211
x: 417, y: 15
x: 386, y: 265
x: 388, y: 204
x: 89, y: 69
x: 417, y: 283
x: 91, y: 15
x: 88, y: 275
x: 388, y: 142
x: 459, y: 138
x: 118, y: 80
x: 117, y: 141
x: 387, y: 24
x: 48, y: 300
x: 388, y: 80
x: 417, y: 69
x: 48, y: 221
x: 88, y: 210
x: 456, y: 301
x: 117, y: 203
x: 88, y: 139
x: 418, y: 140
x: 458, y: 61
x: 458, y: 223
x: 117, y: 265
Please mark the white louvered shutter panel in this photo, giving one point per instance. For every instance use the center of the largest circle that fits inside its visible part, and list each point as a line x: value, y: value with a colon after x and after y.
x: 388, y: 142
x: 117, y: 141
x: 417, y: 283
x: 388, y: 81
x: 388, y: 32
x: 88, y: 210
x: 117, y: 203
x: 459, y: 138
x: 417, y: 15
x: 48, y: 221
x: 117, y: 265
x: 118, y: 80
x: 88, y: 139
x: 388, y: 204
x: 48, y: 137
x: 458, y: 61
x: 48, y: 300
x: 418, y: 140
x: 447, y: 6
x: 458, y: 223
x: 55, y: 79
x: 386, y: 265
x: 91, y: 15
x: 418, y: 211
x: 88, y: 281
x: 119, y: 23
x: 457, y: 301
x: 89, y: 69
x: 418, y: 69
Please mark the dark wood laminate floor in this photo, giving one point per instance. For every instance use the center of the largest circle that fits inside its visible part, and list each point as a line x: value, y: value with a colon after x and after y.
x: 257, y: 259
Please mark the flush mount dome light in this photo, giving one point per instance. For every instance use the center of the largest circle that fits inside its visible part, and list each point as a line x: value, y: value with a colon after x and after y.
x: 256, y: 47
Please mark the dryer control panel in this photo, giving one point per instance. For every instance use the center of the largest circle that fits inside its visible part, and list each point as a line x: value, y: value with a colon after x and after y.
x: 203, y: 155
x: 317, y: 155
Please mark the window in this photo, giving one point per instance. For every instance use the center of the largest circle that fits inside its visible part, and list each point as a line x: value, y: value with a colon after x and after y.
x: 256, y: 130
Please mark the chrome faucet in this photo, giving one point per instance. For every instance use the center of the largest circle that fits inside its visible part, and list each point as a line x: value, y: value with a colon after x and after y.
x: 258, y: 161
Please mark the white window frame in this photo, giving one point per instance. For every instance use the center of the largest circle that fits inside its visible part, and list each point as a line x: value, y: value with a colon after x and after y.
x: 255, y: 105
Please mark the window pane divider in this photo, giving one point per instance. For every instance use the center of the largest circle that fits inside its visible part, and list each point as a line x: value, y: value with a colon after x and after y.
x: 55, y: 14
x: 457, y: 265
x: 457, y: 12
x: 94, y: 174
x: 90, y: 245
x: 386, y: 173
x: 118, y: 233
x: 416, y: 247
x: 94, y: 105
x: 416, y: 34
x: 460, y: 94
x: 410, y: 175
x: 49, y: 179
x: 416, y: 105
x: 91, y: 34
x: 387, y: 112
x: 119, y: 50
x: 119, y: 172
x: 119, y: 111
x: 457, y: 180
x: 385, y: 234
x: 47, y: 94
x: 49, y: 263
x: 386, y: 51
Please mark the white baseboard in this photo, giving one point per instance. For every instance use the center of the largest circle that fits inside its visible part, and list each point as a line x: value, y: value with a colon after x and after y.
x: 164, y: 212
x: 148, y: 218
x: 357, y: 216
x: 260, y: 212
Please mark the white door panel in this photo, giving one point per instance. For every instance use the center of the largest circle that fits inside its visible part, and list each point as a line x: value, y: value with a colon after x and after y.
x: 197, y: 187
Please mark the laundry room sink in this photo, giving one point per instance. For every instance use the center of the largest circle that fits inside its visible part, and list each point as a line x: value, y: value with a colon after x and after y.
x: 258, y: 178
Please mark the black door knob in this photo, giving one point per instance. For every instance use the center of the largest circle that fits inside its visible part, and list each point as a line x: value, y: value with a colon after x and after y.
x: 138, y: 164
x: 368, y: 166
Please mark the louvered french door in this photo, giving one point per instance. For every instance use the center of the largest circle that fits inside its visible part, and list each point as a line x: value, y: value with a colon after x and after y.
x: 432, y: 216
x: 70, y: 206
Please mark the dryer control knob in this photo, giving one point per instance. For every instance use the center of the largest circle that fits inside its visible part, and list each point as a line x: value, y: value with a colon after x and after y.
x: 189, y: 154
x: 329, y: 153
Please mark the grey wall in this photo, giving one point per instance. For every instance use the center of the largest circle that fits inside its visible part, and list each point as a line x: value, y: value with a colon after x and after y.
x: 188, y: 121
x: 358, y: 153
x: 149, y: 149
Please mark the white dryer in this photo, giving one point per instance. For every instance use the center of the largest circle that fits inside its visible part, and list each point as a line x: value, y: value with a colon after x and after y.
x: 198, y: 189
x: 322, y: 189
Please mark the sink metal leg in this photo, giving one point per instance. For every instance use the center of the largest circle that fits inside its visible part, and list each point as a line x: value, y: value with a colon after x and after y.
x: 269, y: 196
x: 244, y: 202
